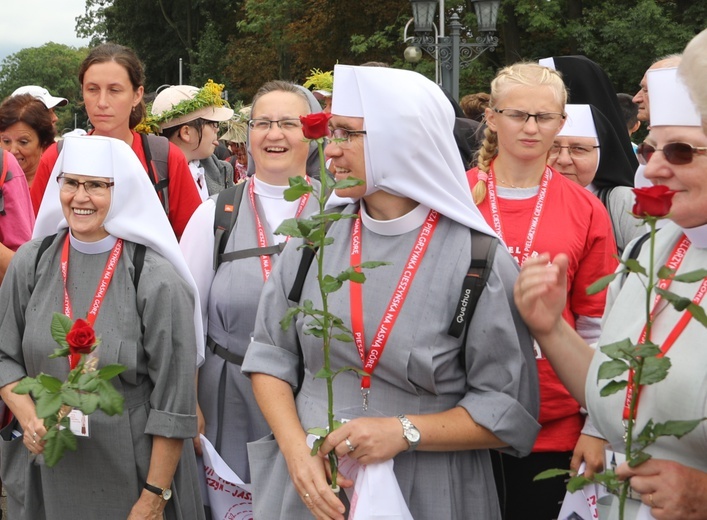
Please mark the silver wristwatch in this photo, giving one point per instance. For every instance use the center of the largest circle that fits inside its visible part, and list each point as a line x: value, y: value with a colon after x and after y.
x: 410, y: 433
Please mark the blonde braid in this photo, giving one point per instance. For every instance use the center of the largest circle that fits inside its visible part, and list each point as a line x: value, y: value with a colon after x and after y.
x: 489, y: 150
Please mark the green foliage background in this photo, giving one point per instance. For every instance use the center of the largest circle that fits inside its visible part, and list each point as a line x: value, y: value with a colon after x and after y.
x: 243, y: 43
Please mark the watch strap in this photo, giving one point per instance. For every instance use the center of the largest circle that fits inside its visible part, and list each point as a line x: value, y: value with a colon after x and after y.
x: 408, y: 427
x: 164, y: 494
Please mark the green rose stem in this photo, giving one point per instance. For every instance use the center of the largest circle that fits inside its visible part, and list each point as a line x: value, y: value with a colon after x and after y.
x: 635, y: 384
x: 326, y: 322
x: 313, y: 230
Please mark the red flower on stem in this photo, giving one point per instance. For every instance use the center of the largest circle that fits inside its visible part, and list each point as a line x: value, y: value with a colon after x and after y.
x: 81, y: 338
x: 654, y: 201
x: 315, y: 126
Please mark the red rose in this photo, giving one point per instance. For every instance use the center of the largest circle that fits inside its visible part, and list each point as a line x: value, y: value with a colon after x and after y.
x: 316, y: 125
x: 81, y: 337
x: 654, y: 201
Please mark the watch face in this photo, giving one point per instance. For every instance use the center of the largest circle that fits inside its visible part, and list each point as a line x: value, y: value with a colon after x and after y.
x: 413, y: 435
x: 167, y: 494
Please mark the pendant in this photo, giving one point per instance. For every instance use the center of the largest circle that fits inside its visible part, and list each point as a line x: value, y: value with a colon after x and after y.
x: 364, y: 394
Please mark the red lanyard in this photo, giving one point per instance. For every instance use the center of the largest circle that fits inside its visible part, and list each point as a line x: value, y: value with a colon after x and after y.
x: 100, y: 290
x: 370, y: 361
x: 537, y: 212
x: 674, y: 262
x: 265, y: 261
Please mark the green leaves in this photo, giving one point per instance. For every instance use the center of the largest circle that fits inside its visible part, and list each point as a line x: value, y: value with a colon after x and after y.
x: 57, y: 441
x: 611, y: 369
x: 85, y: 389
x: 60, y: 327
x: 601, y: 283
x: 298, y: 187
x: 551, y: 473
x: 612, y: 387
x: 655, y: 369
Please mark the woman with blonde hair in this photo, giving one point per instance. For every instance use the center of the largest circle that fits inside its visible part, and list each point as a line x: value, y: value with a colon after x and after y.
x: 533, y: 208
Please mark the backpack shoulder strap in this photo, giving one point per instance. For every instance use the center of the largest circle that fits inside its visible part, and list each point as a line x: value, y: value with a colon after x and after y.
x: 156, y: 150
x: 228, y: 202
x: 138, y: 257
x: 307, y: 257
x: 636, y: 248
x: 483, y: 251
x: 635, y: 251
x: 3, y: 176
x: 48, y: 240
x: 138, y: 262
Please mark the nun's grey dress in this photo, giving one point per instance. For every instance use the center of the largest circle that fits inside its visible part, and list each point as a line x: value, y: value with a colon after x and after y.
x: 422, y: 369
x: 152, y: 334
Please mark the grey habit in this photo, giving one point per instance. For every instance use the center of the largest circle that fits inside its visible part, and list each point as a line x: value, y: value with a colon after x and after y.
x: 152, y: 334
x: 422, y: 369
x: 225, y: 395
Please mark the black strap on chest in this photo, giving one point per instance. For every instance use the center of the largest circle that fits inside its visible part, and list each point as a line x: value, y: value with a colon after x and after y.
x: 228, y: 203
x: 138, y: 257
x: 635, y: 251
x: 483, y: 251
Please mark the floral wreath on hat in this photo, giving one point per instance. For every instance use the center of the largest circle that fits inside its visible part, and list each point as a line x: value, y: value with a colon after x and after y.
x: 320, y: 80
x: 209, y: 95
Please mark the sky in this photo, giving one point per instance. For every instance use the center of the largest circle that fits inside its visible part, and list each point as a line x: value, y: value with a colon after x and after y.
x: 32, y: 23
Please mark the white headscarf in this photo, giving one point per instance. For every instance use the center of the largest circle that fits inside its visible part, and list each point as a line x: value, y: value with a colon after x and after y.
x: 410, y: 149
x: 135, y: 213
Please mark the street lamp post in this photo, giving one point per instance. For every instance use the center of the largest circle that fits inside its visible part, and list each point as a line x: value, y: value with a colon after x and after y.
x: 452, y: 52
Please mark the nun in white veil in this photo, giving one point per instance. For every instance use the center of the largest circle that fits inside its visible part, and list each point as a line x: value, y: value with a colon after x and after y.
x: 100, y: 205
x: 436, y: 403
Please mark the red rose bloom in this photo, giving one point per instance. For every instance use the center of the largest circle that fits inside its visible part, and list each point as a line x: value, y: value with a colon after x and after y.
x: 654, y: 201
x: 81, y: 337
x: 316, y: 125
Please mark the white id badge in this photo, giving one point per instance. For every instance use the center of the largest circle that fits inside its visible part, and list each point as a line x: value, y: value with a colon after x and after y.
x: 78, y: 423
x: 536, y: 349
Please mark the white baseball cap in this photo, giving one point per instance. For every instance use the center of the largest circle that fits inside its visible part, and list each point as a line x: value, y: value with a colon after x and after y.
x: 41, y: 94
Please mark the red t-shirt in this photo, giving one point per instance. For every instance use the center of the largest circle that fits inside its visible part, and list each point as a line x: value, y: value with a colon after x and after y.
x: 183, y: 195
x: 574, y: 222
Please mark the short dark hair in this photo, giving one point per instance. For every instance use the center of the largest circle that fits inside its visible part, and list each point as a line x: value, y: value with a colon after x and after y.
x: 629, y: 109
x: 126, y: 58
x: 27, y: 109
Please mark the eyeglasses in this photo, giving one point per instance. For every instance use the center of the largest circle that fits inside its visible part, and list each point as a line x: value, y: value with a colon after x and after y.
x: 675, y: 153
x: 574, y: 150
x: 95, y: 188
x: 264, y: 125
x: 544, y: 119
x: 213, y: 124
x: 343, y: 136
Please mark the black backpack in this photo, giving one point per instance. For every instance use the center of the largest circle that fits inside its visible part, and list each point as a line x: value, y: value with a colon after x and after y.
x: 156, y: 150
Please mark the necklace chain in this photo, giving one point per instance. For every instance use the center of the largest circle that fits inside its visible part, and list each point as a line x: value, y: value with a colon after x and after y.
x: 506, y: 183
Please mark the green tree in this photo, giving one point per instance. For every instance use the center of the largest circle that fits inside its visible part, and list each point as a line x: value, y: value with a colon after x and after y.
x: 164, y: 32
x: 54, y: 67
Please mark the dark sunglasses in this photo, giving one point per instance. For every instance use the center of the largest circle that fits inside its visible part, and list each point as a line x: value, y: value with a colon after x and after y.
x: 675, y: 153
